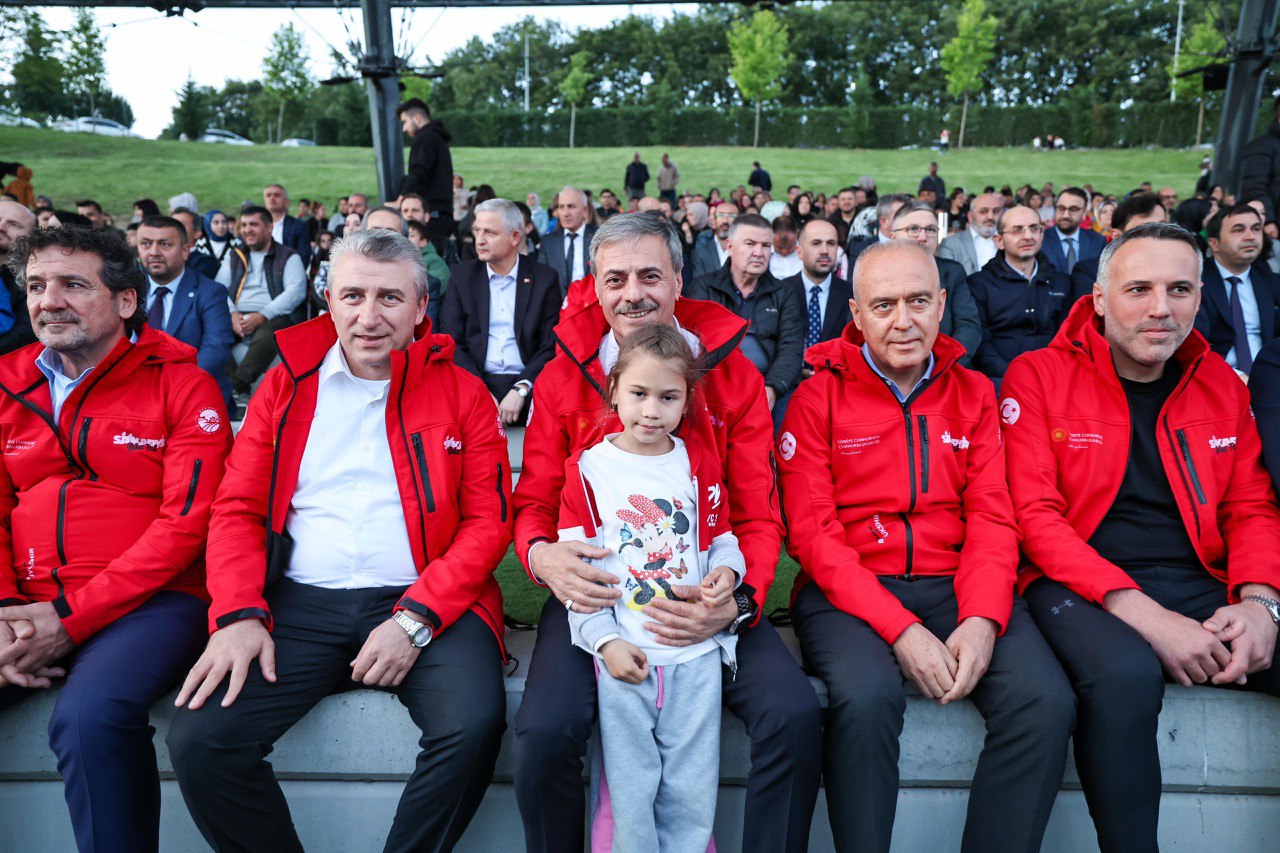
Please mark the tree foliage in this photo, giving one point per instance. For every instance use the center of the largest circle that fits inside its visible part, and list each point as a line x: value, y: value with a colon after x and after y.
x: 84, y: 58
x: 759, y: 51
x: 38, y: 73
x: 967, y: 56
x: 1203, y: 45
x: 286, y: 74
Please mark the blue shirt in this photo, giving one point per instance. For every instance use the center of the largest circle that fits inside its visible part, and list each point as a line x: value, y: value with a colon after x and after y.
x: 60, y: 385
x: 1248, y: 305
x: 502, y: 356
x: 893, y: 386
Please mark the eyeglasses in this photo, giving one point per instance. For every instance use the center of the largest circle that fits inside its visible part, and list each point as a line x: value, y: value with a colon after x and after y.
x: 1019, y: 230
x: 915, y: 230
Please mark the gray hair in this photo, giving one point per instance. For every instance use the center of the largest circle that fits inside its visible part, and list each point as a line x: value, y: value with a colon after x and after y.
x: 874, y: 251
x: 1166, y: 231
x: 568, y: 189
x: 888, y: 201
x: 510, y: 215
x: 912, y: 206
x: 631, y: 227
x: 748, y: 220
x: 385, y: 208
x: 384, y: 247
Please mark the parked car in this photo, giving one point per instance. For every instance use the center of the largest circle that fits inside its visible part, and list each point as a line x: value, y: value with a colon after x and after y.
x: 100, y: 126
x: 12, y: 120
x: 215, y: 134
x: 298, y: 143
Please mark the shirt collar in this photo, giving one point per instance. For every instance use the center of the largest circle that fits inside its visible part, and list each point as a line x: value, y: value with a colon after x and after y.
x: 893, y: 386
x: 495, y: 274
x: 608, y: 353
x: 50, y: 363
x: 335, y: 364
x: 1226, y: 273
x: 173, y: 286
x: 809, y: 284
x: 1075, y: 238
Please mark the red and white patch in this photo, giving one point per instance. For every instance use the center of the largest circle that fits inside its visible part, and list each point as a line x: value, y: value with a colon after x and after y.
x: 1010, y: 411
x: 787, y: 446
x: 209, y: 420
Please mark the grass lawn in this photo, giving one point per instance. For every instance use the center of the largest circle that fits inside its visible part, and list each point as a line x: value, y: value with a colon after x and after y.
x: 69, y: 166
x: 523, y: 600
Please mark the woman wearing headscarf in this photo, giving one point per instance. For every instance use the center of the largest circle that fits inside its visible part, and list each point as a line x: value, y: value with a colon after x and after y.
x: 217, y: 239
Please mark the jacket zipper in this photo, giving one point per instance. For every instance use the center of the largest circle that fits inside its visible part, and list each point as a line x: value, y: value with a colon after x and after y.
x: 502, y: 498
x: 191, y: 489
x: 424, y: 474
x: 84, y: 448
x: 1195, y: 509
x: 911, y: 475
x: 924, y: 453
x: 1191, y: 467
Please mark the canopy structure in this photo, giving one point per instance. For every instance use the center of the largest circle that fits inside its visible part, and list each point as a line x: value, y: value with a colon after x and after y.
x: 1253, y: 48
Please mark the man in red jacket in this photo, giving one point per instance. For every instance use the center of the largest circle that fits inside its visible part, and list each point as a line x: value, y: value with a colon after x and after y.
x: 893, y: 484
x: 114, y: 443
x: 354, y: 540
x: 1149, y: 525
x: 636, y: 259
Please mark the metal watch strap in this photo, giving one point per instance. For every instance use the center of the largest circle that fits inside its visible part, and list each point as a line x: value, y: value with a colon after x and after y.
x: 1273, y: 606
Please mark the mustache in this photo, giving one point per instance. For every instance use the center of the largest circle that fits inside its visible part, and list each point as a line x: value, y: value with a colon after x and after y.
x: 638, y: 305
x: 57, y: 317
x: 1158, y: 326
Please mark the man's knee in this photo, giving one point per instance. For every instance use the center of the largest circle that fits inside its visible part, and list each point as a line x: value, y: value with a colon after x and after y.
x: 1128, y: 681
x: 200, y: 742
x: 480, y: 727
x: 790, y: 715
x: 85, y: 720
x: 552, y: 728
x: 866, y: 704
x: 1045, y: 707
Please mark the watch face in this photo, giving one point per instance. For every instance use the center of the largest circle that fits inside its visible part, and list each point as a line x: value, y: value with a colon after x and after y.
x: 422, y: 636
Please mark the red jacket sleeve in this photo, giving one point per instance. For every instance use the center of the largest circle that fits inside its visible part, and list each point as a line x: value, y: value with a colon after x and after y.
x: 175, y: 540
x: 989, y: 556
x: 454, y: 580
x: 9, y: 593
x: 537, y: 497
x: 1247, y: 513
x: 754, y: 508
x: 1048, y: 540
x: 236, y: 563
x: 815, y: 535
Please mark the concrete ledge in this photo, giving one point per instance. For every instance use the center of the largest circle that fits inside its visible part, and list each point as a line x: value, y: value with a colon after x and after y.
x: 1220, y: 752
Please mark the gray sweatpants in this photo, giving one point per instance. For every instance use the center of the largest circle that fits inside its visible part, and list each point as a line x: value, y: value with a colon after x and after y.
x: 661, y: 746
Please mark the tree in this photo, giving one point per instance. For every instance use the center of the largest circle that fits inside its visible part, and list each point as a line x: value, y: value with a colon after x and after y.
x: 191, y: 115
x: 759, y: 51
x: 83, y: 57
x: 967, y: 56
x: 37, y: 71
x: 573, y: 88
x: 1204, y: 45
x: 286, y: 73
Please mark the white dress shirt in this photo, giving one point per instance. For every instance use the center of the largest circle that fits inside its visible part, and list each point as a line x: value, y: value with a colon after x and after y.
x: 1248, y: 305
x: 608, y: 352
x: 503, y: 353
x: 824, y: 292
x: 984, y: 248
x: 345, y: 518
x: 579, y: 252
x: 721, y: 251
x: 277, y: 230
x: 784, y: 266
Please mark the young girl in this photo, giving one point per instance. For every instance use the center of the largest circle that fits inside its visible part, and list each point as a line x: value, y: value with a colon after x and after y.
x: 661, y: 509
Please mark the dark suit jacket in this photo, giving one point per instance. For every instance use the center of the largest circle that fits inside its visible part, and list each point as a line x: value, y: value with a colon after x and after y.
x: 551, y: 253
x: 297, y: 236
x: 1083, y: 277
x: 465, y: 314
x: 1090, y: 245
x: 205, y: 264
x: 706, y: 257
x: 837, y: 314
x: 198, y: 315
x: 1214, y: 318
x: 960, y: 318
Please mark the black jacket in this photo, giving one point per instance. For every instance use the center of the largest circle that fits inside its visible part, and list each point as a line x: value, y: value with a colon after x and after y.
x: 637, y: 175
x: 1213, y: 320
x: 778, y: 327
x: 431, y: 168
x: 1264, y: 389
x: 836, y: 315
x: 760, y: 178
x: 960, y: 319
x: 20, y: 334
x: 1017, y: 315
x: 1083, y: 276
x: 1260, y: 170
x: 465, y: 314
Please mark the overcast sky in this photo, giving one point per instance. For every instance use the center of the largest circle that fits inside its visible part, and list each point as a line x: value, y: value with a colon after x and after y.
x: 149, y: 55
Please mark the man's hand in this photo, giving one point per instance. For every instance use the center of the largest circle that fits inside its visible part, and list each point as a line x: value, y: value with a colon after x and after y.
x: 925, y: 661
x: 40, y: 639
x: 251, y: 322
x: 560, y: 565
x: 1189, y: 652
x: 237, y: 324
x: 625, y: 661
x: 717, y: 587
x: 386, y: 657
x: 971, y: 643
x: 43, y: 676
x: 1249, y: 631
x: 510, y: 407
x: 770, y: 397
x: 685, y: 623
x: 230, y: 651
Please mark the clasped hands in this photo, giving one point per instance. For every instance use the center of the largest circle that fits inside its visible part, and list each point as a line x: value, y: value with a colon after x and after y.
x: 32, y: 640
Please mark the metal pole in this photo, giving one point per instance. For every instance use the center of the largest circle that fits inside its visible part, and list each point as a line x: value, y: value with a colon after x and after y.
x: 379, y: 67
x: 1255, y: 42
x: 1177, y: 50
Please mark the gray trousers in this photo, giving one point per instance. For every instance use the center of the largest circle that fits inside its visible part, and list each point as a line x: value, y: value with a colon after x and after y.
x: 661, y: 746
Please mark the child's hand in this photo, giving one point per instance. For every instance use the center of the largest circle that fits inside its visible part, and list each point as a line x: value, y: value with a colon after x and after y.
x: 625, y: 661
x: 717, y: 587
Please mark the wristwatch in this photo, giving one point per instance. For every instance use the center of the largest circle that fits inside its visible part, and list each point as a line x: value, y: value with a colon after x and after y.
x: 1273, y: 606
x: 419, y: 632
x: 747, y: 609
x: 522, y: 388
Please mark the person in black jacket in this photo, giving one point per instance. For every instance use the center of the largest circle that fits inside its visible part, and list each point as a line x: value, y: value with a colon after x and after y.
x: 500, y: 310
x: 775, y: 339
x: 1022, y: 299
x: 430, y: 172
x: 1264, y: 390
x: 635, y: 179
x: 15, y: 329
x: 759, y: 178
x: 1136, y: 209
x: 1260, y: 173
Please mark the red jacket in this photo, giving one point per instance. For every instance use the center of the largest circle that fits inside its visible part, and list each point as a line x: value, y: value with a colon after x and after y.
x: 110, y: 505
x: 1067, y: 433
x: 729, y: 414
x: 875, y: 487
x: 578, y: 295
x: 455, y: 499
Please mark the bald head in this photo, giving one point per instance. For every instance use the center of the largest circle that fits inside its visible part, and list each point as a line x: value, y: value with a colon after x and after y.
x: 15, y: 222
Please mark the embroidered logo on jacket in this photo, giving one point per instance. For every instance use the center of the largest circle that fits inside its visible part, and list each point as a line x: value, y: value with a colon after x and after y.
x: 14, y: 446
x: 209, y: 420
x: 1010, y: 411
x: 787, y: 446
x: 877, y: 529
x: 134, y: 442
x: 1222, y: 445
x: 713, y: 495
x: 957, y: 444
x: 452, y: 445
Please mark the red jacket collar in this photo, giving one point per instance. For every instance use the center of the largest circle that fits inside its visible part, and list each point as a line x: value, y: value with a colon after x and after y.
x: 718, y: 328
x: 1081, y: 335
x: 304, y: 346
x: 18, y: 369
x: 843, y: 355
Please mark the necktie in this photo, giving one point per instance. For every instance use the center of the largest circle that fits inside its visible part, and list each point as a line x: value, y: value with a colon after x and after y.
x: 1244, y: 355
x: 568, y: 255
x: 1071, y: 253
x: 155, y: 314
x: 815, y: 317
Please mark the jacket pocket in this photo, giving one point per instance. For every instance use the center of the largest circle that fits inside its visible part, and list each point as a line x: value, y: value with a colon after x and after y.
x: 424, y: 472
x: 192, y: 486
x: 502, y: 496
x: 924, y: 453
x: 1185, y: 449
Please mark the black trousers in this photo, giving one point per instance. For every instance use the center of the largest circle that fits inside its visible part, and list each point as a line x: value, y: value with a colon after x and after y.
x: 454, y: 693
x: 500, y: 384
x: 1120, y: 685
x: 1024, y: 697
x: 770, y: 695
